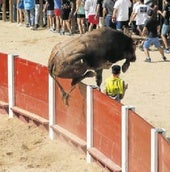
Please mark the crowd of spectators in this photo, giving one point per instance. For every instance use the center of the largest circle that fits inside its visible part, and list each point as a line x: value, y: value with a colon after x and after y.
x: 80, y: 16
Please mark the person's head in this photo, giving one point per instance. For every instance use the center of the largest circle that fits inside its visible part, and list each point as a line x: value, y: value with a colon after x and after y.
x: 150, y: 12
x: 116, y: 69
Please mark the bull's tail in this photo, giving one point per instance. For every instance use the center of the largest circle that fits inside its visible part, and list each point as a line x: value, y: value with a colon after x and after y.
x: 51, y: 67
x: 51, y: 70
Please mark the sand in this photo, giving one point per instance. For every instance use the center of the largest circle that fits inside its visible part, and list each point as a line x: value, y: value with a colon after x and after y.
x: 148, y: 92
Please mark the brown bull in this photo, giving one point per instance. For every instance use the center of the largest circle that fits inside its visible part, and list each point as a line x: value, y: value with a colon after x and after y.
x: 88, y: 55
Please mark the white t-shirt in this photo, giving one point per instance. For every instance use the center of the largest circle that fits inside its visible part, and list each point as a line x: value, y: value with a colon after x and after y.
x: 141, y: 13
x: 90, y: 7
x: 134, y: 8
x: 123, y: 9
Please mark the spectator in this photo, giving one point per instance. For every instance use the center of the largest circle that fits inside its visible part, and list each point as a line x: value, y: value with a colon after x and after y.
x: 100, y: 13
x: 49, y: 6
x: 133, y: 21
x: 21, y: 12
x: 37, y: 14
x: 115, y: 87
x: 121, y: 13
x: 80, y: 12
x: 151, y: 28
x: 107, y: 13
x: 166, y: 25
x: 57, y: 12
x: 93, y: 19
x: 140, y: 13
x: 29, y: 6
x: 66, y: 10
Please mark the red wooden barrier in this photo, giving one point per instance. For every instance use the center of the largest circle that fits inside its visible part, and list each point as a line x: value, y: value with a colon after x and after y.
x: 31, y: 87
x: 139, y: 143
x: 31, y: 94
x: 73, y: 116
x: 164, y: 154
x: 107, y: 126
x: 3, y: 77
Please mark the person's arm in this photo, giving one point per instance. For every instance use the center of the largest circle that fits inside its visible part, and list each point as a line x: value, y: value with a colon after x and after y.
x: 45, y: 6
x: 144, y: 31
x: 77, y: 6
x: 98, y: 8
x: 163, y: 14
x: 132, y: 17
x: 104, y: 9
x: 115, y: 10
x: 158, y: 29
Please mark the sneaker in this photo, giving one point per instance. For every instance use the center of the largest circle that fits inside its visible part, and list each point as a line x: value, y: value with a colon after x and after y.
x: 19, y: 24
x: 70, y: 34
x: 44, y: 25
x: 148, y: 60
x: 62, y: 32
x: 57, y: 31
x: 35, y: 27
x: 51, y: 29
x: 167, y: 51
x: 164, y: 58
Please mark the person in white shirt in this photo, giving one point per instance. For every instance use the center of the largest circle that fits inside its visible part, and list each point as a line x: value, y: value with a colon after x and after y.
x: 140, y: 13
x: 121, y: 13
x: 133, y: 24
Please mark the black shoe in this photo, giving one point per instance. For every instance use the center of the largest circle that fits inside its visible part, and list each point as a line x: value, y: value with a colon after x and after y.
x: 44, y: 25
x: 164, y: 58
x: 37, y: 26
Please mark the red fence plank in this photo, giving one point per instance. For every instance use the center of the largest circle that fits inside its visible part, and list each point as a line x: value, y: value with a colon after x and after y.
x: 73, y: 116
x: 4, y: 77
x: 139, y: 143
x: 31, y: 87
x: 164, y: 154
x: 107, y: 126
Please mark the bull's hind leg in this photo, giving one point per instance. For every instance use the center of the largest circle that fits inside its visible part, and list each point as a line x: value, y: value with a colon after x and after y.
x: 87, y: 74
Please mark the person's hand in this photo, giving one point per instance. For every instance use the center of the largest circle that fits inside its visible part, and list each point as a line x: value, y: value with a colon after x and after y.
x: 75, y: 13
x: 129, y: 23
x: 126, y: 86
x: 113, y: 19
x: 158, y: 12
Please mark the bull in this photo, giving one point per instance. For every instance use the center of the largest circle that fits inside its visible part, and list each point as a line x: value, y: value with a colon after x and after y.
x: 89, y: 54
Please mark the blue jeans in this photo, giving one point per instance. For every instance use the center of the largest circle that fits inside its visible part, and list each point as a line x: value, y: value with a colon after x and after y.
x: 109, y: 23
x: 165, y: 29
x: 149, y: 41
x: 120, y: 24
x: 30, y: 17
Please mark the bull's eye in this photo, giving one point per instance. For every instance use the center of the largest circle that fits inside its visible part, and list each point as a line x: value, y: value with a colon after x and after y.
x: 81, y: 61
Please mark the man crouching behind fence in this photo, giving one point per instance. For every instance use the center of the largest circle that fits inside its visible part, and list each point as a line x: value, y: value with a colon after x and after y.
x: 115, y: 87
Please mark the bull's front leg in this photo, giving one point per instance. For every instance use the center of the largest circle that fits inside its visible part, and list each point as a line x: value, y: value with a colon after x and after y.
x: 99, y: 77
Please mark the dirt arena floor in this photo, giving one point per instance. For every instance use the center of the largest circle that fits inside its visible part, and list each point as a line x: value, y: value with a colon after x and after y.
x: 148, y: 92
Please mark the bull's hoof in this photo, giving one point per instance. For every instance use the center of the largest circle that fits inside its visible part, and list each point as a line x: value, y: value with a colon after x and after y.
x: 125, y: 67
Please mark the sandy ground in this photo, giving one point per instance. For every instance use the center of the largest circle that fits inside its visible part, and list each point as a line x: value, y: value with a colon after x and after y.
x: 25, y: 148
x: 148, y: 92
